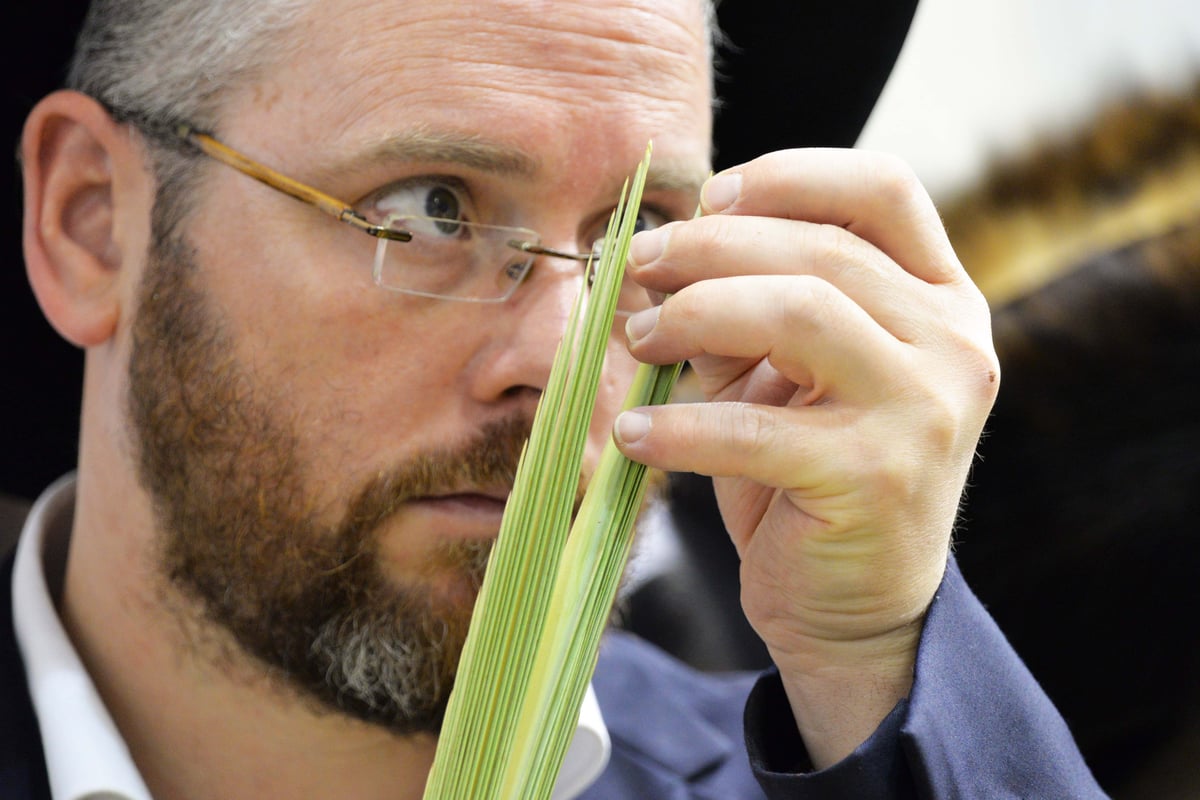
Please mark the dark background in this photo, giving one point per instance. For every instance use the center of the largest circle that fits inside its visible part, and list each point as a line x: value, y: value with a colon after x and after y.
x: 39, y: 373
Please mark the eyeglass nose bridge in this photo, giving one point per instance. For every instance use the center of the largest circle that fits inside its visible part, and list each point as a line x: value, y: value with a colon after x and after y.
x: 542, y: 250
x: 589, y: 260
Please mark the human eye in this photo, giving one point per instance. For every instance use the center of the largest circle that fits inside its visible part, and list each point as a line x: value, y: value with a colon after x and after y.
x: 647, y: 220
x: 424, y: 205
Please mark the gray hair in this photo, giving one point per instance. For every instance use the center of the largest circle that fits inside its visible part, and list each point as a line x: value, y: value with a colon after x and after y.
x: 174, y: 59
x: 156, y: 63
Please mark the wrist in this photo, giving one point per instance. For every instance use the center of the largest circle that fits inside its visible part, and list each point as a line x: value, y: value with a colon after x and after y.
x: 840, y: 691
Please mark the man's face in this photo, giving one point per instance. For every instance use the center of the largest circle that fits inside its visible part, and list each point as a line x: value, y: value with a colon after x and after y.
x: 329, y: 459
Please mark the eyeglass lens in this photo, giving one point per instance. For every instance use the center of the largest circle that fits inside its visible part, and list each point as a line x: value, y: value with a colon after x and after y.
x: 447, y: 258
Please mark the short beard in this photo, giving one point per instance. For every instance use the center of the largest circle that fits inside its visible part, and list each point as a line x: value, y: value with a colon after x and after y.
x: 239, y: 537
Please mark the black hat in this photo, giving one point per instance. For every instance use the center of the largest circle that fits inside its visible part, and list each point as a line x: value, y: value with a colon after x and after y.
x: 802, y: 74
x: 792, y: 74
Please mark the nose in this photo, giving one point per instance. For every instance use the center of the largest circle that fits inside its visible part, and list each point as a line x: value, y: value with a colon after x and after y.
x: 526, y: 331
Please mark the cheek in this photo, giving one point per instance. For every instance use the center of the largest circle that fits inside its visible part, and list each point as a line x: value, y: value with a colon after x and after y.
x: 351, y: 368
x: 302, y: 306
x: 371, y: 380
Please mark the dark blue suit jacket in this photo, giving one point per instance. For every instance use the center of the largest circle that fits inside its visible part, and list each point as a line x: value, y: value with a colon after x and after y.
x: 976, y: 725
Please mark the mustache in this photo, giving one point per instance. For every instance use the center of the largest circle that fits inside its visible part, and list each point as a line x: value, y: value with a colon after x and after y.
x: 487, y: 459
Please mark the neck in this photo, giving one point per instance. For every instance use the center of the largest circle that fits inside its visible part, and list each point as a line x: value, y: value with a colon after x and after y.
x: 200, y: 719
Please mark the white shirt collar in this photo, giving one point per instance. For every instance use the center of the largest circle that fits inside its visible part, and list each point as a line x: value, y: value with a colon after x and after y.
x: 86, y: 757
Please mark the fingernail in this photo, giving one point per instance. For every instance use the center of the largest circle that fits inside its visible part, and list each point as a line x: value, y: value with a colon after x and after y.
x: 720, y: 191
x: 647, y: 246
x: 641, y: 323
x: 631, y: 426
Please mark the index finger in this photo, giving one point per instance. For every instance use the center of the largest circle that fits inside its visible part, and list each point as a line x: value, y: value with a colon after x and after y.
x: 873, y: 195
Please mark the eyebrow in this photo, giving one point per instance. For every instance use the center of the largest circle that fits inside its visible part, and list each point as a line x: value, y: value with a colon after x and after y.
x: 675, y: 177
x: 446, y: 148
x: 479, y: 154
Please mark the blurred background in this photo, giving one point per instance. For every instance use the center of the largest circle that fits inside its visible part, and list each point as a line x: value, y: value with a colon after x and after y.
x: 980, y: 79
x: 982, y: 84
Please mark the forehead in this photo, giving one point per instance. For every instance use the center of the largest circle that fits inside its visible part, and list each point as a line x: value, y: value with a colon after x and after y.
x: 567, y: 82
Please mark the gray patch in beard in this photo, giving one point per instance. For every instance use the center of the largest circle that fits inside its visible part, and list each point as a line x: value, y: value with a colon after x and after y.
x: 369, y: 665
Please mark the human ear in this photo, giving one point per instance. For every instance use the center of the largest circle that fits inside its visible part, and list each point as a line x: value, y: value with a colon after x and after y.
x: 80, y: 172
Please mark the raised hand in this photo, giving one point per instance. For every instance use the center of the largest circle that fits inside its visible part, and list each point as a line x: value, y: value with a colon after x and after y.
x: 847, y: 361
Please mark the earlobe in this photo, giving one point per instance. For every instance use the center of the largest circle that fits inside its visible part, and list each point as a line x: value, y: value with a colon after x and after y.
x: 74, y: 158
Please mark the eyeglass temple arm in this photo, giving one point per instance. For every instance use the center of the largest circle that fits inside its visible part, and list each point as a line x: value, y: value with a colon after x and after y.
x: 302, y: 192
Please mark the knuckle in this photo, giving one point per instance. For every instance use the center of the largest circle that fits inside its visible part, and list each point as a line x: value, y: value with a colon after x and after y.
x: 714, y: 233
x: 894, y: 180
x: 769, y: 166
x: 979, y: 367
x: 806, y: 304
x: 987, y: 377
x: 685, y: 308
x: 694, y: 244
x: 828, y: 245
x: 968, y: 344
x: 749, y: 429
x: 945, y: 425
x: 893, y: 478
x: 950, y: 422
